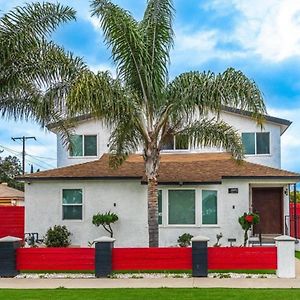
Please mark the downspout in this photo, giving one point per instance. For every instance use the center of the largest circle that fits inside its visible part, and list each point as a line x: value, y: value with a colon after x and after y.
x: 295, y: 212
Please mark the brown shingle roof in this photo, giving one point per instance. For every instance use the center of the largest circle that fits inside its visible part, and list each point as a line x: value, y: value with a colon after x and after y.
x: 7, y: 192
x: 174, y: 168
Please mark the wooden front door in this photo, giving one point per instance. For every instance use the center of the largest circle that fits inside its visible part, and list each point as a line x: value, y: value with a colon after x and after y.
x: 268, y: 203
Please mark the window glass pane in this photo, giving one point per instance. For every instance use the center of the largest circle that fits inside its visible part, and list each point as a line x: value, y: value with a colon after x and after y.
x: 263, y: 142
x: 90, y: 145
x: 248, y: 140
x: 181, y: 207
x: 76, y: 145
x: 168, y: 143
x: 160, y: 207
x: 73, y: 196
x: 181, y: 142
x: 71, y: 212
x: 209, y: 207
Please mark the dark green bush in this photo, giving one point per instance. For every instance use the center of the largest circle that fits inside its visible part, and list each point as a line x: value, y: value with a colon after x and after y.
x: 58, y: 236
x: 105, y: 220
x: 184, y: 240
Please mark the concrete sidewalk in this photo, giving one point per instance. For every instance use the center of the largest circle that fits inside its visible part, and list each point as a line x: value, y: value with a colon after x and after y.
x: 149, y: 283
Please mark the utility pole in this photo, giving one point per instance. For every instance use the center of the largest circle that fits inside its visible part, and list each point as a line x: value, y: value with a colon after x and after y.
x: 23, y: 138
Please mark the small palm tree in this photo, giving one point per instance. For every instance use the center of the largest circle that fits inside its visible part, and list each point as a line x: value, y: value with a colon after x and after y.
x: 143, y: 108
x: 35, y: 73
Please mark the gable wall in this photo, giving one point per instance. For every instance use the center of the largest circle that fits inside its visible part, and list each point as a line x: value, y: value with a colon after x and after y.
x: 241, y: 123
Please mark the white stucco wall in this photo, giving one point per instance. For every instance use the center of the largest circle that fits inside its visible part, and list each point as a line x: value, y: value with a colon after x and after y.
x: 89, y: 127
x: 246, y: 124
x: 241, y: 123
x: 44, y: 209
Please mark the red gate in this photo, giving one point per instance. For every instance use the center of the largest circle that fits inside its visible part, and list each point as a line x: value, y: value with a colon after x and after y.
x: 12, y: 221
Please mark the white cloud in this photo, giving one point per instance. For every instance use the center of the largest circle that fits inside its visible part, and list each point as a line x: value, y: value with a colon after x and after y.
x: 197, y: 47
x: 269, y: 28
x: 103, y: 67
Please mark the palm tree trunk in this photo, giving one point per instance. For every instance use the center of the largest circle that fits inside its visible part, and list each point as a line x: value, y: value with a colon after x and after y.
x: 153, y: 213
x: 151, y: 157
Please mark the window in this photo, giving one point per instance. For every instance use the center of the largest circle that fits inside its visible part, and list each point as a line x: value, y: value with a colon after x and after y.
x: 83, y: 145
x: 159, y: 207
x: 72, y: 204
x: 181, y: 206
x: 175, y: 143
x: 256, y: 143
x: 209, y: 207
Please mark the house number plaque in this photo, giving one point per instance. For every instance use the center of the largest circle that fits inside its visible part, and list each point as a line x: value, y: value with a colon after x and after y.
x: 233, y: 191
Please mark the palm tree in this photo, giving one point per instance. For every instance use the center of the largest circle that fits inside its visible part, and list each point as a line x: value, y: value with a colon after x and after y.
x: 143, y: 108
x: 35, y: 73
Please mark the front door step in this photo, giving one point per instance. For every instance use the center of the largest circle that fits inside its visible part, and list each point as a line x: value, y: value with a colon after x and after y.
x: 266, y: 239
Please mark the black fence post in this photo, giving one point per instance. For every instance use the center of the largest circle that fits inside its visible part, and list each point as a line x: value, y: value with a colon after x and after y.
x: 103, y: 256
x: 8, y: 257
x: 199, y: 256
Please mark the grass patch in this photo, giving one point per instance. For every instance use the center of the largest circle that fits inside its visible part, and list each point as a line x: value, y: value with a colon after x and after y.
x: 147, y: 294
x: 297, y: 254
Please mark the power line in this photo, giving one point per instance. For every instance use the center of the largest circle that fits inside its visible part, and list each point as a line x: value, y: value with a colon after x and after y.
x: 24, y: 139
x: 19, y: 154
x: 33, y: 157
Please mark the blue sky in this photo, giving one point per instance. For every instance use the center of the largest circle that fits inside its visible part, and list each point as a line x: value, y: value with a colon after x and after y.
x: 261, y: 38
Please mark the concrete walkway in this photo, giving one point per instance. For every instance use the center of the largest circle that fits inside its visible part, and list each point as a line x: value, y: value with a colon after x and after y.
x: 149, y: 283
x: 154, y: 283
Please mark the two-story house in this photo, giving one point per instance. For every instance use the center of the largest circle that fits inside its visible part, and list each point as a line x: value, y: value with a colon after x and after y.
x: 201, y: 191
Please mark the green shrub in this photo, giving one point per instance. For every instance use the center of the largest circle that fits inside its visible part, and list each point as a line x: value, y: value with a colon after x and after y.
x: 58, y: 236
x: 105, y: 220
x: 184, y: 240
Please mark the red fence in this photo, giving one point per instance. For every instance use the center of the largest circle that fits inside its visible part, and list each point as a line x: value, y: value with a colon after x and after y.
x: 12, y: 221
x: 242, y: 258
x: 56, y: 259
x: 152, y: 259
x: 143, y: 259
x: 292, y: 219
x: 230, y: 258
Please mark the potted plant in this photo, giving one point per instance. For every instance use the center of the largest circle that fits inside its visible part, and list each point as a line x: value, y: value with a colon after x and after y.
x: 246, y: 221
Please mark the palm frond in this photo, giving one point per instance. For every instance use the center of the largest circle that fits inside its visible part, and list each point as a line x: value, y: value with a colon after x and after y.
x: 102, y: 96
x: 124, y: 140
x: 210, y: 92
x: 212, y: 133
x: 123, y: 35
x: 158, y: 36
x: 25, y: 25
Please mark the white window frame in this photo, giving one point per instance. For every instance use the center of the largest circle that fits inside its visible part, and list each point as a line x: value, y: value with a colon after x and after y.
x: 167, y: 202
x: 198, y: 208
x: 174, y: 147
x: 83, y: 142
x: 62, y: 204
x: 255, y: 144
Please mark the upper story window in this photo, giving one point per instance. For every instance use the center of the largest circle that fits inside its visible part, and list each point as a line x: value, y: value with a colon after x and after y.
x: 256, y: 142
x: 83, y: 145
x: 173, y: 143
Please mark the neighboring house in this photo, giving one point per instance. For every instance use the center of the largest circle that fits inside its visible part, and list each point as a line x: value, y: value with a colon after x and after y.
x: 201, y: 191
x: 10, y: 196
